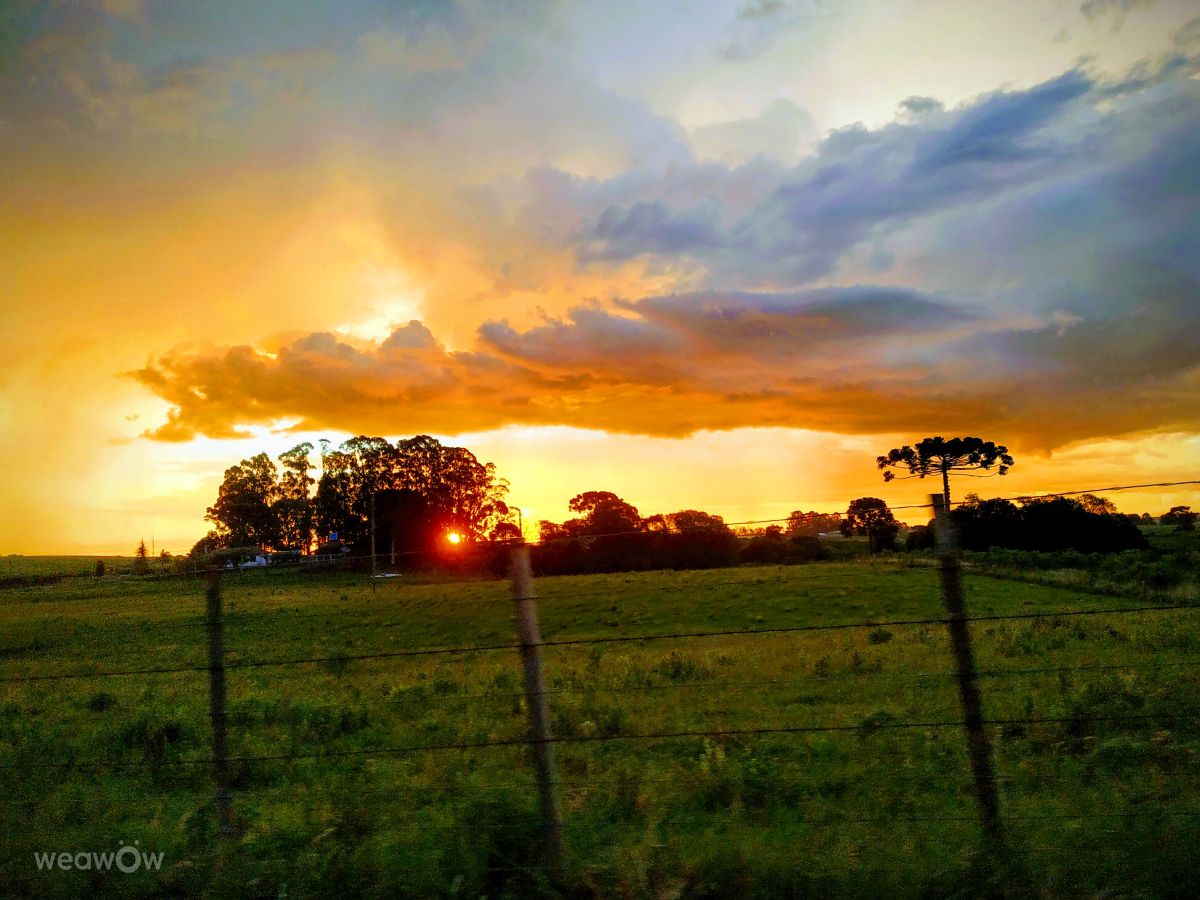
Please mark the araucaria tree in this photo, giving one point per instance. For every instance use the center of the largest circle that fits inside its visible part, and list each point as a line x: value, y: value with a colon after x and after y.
x: 939, y: 456
x: 141, y: 559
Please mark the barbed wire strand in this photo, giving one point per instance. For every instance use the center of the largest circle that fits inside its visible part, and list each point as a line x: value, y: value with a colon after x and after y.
x: 613, y: 639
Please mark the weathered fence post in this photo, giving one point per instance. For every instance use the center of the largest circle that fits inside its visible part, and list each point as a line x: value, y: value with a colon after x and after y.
x: 539, y: 712
x: 216, y: 699
x: 979, y: 746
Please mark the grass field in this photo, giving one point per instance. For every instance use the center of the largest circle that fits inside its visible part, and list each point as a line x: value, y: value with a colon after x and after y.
x: 13, y: 566
x: 1104, y: 807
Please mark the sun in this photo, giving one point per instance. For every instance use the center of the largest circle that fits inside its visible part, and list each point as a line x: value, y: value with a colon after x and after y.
x: 454, y: 537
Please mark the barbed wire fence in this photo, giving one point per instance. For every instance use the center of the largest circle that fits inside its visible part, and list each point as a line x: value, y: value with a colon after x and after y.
x: 536, y: 697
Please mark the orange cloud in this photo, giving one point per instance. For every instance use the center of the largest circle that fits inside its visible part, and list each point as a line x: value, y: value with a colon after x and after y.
x: 852, y: 360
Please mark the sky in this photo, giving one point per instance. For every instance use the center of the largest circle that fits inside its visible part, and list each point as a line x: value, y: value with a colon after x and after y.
x: 714, y: 255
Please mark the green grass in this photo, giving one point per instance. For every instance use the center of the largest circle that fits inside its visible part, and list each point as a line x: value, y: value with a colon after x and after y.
x: 866, y: 812
x: 14, y: 566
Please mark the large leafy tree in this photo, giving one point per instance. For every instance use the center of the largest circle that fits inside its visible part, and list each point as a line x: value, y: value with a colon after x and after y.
x: 243, y: 514
x: 941, y: 456
x: 333, y: 496
x: 294, y: 508
x: 602, y: 512
x: 457, y: 492
x: 464, y: 494
x: 871, y: 516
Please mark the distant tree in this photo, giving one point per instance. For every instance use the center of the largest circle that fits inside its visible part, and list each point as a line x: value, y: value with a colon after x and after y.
x: 939, y: 456
x: 871, y: 516
x: 1181, y: 517
x: 693, y: 521
x: 505, y: 531
x: 551, y: 531
x: 210, y: 543
x: 697, y: 540
x: 656, y: 523
x: 812, y: 523
x: 100, y: 569
x: 603, y: 513
x: 141, y: 559
x: 767, y: 546
x: 983, y: 524
x: 1062, y: 523
x: 920, y: 537
x: 1098, y: 505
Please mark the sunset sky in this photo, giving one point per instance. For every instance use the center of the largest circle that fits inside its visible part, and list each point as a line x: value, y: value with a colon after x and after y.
x: 714, y: 255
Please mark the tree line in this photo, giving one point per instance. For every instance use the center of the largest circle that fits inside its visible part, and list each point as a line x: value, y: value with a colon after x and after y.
x: 373, y: 496
x: 609, y: 534
x: 409, y: 493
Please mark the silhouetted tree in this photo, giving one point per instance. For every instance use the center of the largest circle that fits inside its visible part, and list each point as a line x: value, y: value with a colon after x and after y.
x: 294, y: 518
x: 983, y: 524
x: 406, y: 524
x: 141, y: 559
x: 243, y: 513
x: 812, y: 523
x: 1062, y: 523
x: 295, y: 483
x: 505, y: 531
x: 458, y: 492
x: 464, y: 494
x: 697, y: 540
x: 100, y: 568
x: 603, y: 513
x: 1098, y: 505
x: 210, y: 543
x: 1181, y: 517
x: 871, y: 516
x: 920, y: 537
x: 767, y: 547
x: 295, y: 508
x: 938, y: 456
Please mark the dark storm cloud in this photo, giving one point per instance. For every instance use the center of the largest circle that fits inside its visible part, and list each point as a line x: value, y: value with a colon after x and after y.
x: 804, y: 219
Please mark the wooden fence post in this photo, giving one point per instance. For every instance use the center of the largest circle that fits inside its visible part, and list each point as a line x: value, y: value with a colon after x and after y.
x: 538, y: 710
x: 216, y: 700
x: 979, y: 746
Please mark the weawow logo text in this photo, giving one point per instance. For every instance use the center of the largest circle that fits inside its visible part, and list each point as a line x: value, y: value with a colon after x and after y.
x: 129, y: 858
